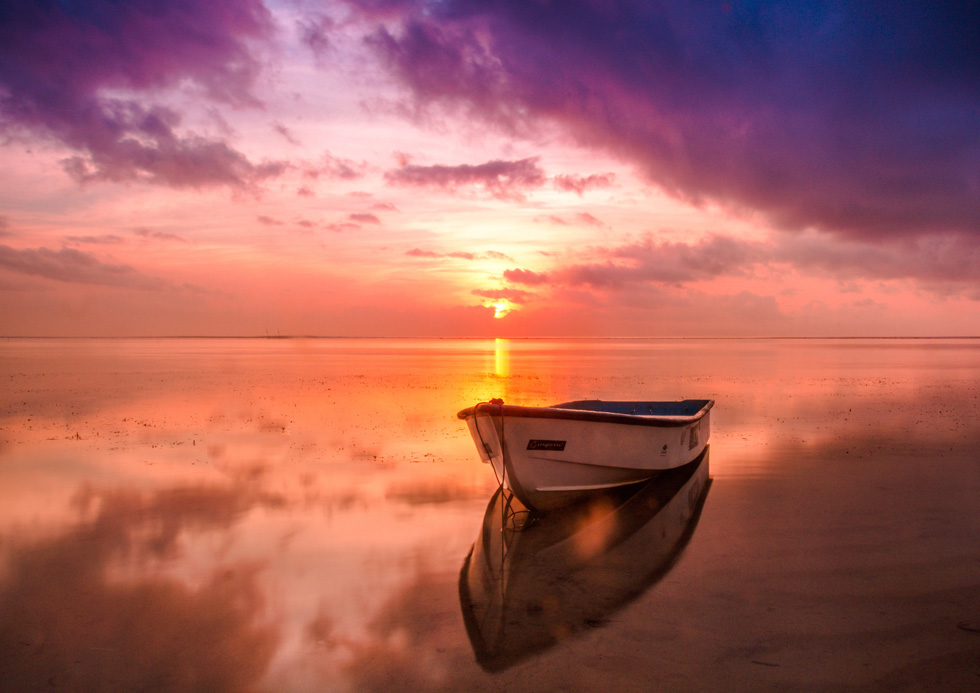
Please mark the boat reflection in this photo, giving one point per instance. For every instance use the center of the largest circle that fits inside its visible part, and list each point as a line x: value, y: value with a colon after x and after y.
x: 531, y: 581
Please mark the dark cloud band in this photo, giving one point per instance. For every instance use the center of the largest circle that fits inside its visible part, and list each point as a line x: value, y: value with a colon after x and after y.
x: 59, y: 61
x: 854, y: 117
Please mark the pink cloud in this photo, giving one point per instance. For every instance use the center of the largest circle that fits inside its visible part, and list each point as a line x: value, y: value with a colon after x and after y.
x: 74, y: 266
x: 554, y: 219
x: 505, y: 180
x: 340, y: 227
x: 648, y: 261
x: 459, y: 255
x: 104, y: 239
x: 587, y: 218
x: 943, y: 266
x: 285, y: 132
x: 579, y: 184
x: 364, y: 218
x: 580, y: 217
x: 159, y: 235
x: 523, y: 276
x: 513, y: 295
x: 337, y: 168
x: 418, y: 252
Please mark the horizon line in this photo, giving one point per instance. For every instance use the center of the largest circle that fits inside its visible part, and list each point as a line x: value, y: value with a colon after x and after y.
x: 474, y: 337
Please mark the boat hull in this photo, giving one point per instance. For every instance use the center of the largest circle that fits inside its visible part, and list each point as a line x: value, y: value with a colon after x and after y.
x: 552, y: 456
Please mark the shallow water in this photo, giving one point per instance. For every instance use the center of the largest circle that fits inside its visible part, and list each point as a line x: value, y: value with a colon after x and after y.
x: 230, y: 514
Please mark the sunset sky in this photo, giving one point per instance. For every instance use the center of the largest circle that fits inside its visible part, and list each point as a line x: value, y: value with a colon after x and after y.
x: 477, y: 168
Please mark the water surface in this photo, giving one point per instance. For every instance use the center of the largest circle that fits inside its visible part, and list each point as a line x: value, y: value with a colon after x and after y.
x: 276, y: 515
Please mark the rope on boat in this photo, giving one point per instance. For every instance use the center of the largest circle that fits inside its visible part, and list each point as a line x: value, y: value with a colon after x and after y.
x: 507, y: 511
x: 486, y: 448
x: 504, y: 502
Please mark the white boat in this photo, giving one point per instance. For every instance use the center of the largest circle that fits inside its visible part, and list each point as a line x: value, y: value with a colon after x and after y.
x: 553, y: 456
x: 532, y: 582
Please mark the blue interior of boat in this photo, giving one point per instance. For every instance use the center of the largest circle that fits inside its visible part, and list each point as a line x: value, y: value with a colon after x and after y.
x: 687, y: 407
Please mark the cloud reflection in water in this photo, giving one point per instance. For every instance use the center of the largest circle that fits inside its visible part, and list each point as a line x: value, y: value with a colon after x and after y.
x: 89, y: 609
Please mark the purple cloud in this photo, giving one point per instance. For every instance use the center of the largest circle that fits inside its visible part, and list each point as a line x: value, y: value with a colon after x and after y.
x: 314, y: 31
x: 853, y: 117
x: 57, y: 60
x: 364, y: 218
x: 75, y: 266
x: 505, y: 180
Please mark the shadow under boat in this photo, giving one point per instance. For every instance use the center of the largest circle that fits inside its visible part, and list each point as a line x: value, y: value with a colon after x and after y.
x: 533, y: 580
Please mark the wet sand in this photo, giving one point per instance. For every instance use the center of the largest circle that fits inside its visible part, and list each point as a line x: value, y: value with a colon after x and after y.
x: 295, y: 515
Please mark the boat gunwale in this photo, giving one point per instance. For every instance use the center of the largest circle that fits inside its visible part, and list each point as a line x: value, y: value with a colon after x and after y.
x: 594, y: 416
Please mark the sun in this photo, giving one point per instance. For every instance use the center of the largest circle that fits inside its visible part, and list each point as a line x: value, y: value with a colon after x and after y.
x: 501, y: 308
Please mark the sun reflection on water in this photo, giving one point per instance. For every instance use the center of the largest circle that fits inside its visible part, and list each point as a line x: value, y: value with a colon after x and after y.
x: 501, y: 357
